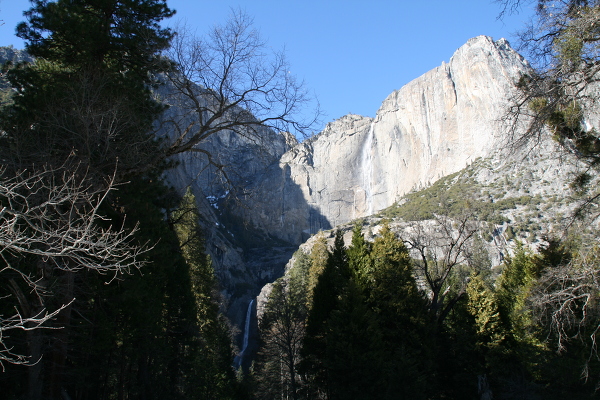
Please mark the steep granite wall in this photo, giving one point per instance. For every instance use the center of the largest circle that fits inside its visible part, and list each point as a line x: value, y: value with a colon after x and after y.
x: 433, y: 126
x: 443, y: 120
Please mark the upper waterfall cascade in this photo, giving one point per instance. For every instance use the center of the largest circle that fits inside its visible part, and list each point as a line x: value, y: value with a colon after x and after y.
x: 367, y: 170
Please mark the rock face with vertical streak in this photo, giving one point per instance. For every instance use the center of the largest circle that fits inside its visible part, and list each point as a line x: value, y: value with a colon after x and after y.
x: 432, y: 127
x: 283, y: 191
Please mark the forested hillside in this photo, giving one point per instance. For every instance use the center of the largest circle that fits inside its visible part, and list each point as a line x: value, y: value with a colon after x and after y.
x: 459, y: 286
x: 131, y: 243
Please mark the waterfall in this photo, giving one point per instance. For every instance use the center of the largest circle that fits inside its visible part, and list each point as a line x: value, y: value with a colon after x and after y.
x: 240, y: 357
x: 367, y: 170
x: 247, y: 328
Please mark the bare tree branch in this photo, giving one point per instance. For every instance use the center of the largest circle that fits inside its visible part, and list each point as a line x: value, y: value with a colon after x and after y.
x: 566, y: 301
x: 231, y: 81
x: 17, y: 321
x: 441, y: 247
x: 54, y: 215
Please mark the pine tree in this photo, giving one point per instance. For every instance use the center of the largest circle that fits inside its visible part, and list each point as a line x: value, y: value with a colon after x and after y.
x: 209, y: 374
x: 282, y: 332
x: 355, y: 356
x: 319, y: 256
x: 130, y: 338
x: 359, y: 260
x: 512, y: 349
x: 513, y: 287
x: 401, y: 314
x: 87, y: 96
x: 299, y: 273
x: 322, y: 300
x: 491, y: 333
x: 85, y: 106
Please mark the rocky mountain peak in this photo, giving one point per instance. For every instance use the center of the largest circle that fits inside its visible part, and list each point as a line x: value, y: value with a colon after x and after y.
x: 433, y: 126
x: 349, y: 124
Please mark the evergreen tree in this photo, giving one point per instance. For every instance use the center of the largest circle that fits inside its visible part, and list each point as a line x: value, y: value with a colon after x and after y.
x: 367, y: 334
x: 359, y: 260
x: 459, y: 361
x: 339, y: 260
x: 393, y: 285
x: 355, y: 353
x: 282, y: 332
x: 482, y: 305
x: 322, y: 300
x: 513, y: 287
x: 87, y: 95
x: 402, y: 317
x: 510, y: 346
x: 282, y: 329
x: 131, y: 338
x: 299, y: 273
x: 319, y: 257
x: 490, y: 332
x: 85, y: 104
x: 209, y: 374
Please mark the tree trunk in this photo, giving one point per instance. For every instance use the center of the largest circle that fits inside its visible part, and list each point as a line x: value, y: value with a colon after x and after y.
x: 60, y: 342
x: 35, y: 339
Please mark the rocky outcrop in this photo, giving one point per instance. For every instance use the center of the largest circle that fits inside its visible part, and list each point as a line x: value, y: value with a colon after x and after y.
x: 238, y: 250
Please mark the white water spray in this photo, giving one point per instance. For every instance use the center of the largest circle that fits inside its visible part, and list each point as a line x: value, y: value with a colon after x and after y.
x: 367, y: 170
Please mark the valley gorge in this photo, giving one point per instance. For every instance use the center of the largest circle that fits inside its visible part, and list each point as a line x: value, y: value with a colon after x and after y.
x: 178, y: 222
x: 274, y: 193
x: 279, y: 192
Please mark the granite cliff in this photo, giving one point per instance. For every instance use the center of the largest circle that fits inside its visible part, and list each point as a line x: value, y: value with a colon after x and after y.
x: 432, y: 127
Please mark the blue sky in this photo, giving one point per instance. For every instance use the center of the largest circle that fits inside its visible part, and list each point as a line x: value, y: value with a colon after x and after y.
x: 351, y: 54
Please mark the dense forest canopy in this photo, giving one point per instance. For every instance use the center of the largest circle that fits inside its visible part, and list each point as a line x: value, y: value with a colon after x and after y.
x: 107, y: 288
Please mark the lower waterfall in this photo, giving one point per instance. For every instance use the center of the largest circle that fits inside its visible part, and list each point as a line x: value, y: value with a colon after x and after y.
x: 240, y: 357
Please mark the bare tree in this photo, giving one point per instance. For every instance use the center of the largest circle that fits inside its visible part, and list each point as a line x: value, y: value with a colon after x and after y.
x: 441, y: 246
x: 282, y: 331
x: 565, y: 300
x: 54, y: 216
x: 230, y: 81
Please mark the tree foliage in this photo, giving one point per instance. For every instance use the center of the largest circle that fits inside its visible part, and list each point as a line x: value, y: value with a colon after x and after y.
x: 87, y: 94
x: 366, y: 330
x: 282, y: 331
x: 209, y: 374
x: 66, y: 143
x: 560, y: 93
x: 84, y: 192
